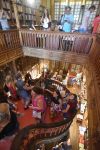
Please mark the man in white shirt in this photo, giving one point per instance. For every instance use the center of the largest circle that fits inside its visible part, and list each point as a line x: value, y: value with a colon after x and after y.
x: 84, y: 25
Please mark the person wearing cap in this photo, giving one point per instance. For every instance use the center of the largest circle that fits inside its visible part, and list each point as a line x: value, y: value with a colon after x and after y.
x: 67, y: 20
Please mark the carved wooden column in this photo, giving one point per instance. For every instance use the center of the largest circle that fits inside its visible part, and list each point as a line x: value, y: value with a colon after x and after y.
x: 93, y: 116
x: 52, y: 6
x: 1, y: 3
x: 14, y: 67
x: 17, y: 18
x: 16, y: 13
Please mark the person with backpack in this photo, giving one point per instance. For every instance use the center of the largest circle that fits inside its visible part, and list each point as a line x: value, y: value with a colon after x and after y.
x: 67, y: 20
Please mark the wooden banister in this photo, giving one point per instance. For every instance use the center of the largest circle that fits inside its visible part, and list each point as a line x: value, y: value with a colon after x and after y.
x: 69, y: 42
x: 28, y: 137
x: 9, y: 40
x: 10, y: 47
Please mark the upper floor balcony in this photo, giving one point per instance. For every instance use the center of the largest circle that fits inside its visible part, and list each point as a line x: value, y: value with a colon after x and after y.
x: 71, y: 47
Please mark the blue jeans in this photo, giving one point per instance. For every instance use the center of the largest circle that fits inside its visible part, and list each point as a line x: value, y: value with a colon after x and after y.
x: 82, y: 30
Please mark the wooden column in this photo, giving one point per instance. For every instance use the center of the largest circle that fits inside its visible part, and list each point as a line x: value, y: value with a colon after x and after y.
x: 1, y: 6
x: 52, y: 8
x: 16, y: 14
x: 93, y: 114
x: 14, y: 67
x: 17, y: 19
x: 59, y: 9
x: 44, y: 3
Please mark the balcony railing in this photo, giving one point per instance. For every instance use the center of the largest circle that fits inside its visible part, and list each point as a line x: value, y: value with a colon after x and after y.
x: 58, y: 41
x: 30, y: 136
x: 10, y: 47
x: 9, y: 40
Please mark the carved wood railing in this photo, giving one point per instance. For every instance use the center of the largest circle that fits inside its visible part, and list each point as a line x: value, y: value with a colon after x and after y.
x: 28, y: 137
x: 54, y: 45
x: 9, y: 40
x: 10, y: 47
x: 58, y: 41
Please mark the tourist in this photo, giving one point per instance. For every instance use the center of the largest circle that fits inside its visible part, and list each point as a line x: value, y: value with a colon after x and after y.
x: 8, y: 121
x: 38, y: 103
x: 78, y: 78
x: 12, y: 106
x: 96, y: 23
x: 3, y: 21
x: 46, y: 20
x: 56, y: 99
x: 85, y: 20
x: 69, y: 107
x: 67, y: 20
x: 23, y: 90
x: 28, y: 78
x: 11, y: 87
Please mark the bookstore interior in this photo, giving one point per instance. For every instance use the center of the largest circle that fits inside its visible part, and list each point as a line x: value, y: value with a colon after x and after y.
x: 49, y: 74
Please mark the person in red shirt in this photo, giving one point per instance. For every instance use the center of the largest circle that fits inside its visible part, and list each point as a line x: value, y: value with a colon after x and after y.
x: 96, y: 23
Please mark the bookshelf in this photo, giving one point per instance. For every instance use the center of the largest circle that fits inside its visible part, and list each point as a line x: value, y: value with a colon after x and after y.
x: 26, y: 13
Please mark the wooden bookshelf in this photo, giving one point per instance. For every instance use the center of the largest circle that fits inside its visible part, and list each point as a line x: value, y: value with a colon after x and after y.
x: 26, y: 14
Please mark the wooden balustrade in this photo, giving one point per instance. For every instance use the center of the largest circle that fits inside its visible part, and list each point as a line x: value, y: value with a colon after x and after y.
x: 49, y: 45
x: 28, y: 137
x: 69, y: 42
x: 9, y: 40
x: 10, y: 47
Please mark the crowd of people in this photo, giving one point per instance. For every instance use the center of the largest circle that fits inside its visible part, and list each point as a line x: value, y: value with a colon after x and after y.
x: 35, y: 97
x: 65, y: 23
